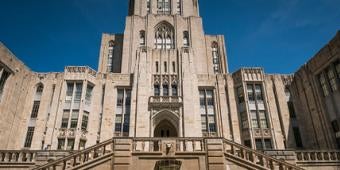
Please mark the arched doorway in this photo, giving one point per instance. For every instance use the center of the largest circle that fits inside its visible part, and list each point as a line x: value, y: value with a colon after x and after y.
x: 165, y: 129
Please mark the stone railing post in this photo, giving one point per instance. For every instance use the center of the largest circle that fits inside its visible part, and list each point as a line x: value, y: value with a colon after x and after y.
x: 122, y: 156
x: 215, y: 154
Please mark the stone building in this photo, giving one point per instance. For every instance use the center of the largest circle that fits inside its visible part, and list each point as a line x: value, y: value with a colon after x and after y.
x: 163, y: 98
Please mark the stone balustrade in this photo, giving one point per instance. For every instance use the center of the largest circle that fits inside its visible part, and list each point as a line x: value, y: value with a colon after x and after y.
x: 164, y: 101
x: 17, y: 156
x: 80, y: 69
x: 318, y: 156
x: 178, y: 144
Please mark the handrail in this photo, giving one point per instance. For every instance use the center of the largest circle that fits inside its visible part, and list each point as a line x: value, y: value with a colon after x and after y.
x: 258, y: 153
x: 74, y: 154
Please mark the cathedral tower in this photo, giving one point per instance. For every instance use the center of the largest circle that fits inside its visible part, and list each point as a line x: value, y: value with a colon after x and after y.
x: 165, y: 49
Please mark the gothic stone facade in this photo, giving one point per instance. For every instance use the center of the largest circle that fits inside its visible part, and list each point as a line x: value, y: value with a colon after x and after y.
x: 163, y: 77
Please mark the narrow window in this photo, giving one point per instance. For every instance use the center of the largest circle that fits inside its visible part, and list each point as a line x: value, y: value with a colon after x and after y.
x: 165, y: 66
x: 69, y: 92
x: 3, y: 77
x: 36, y: 103
x: 85, y: 120
x: 332, y: 79
x: 240, y: 94
x: 142, y: 38
x: 77, y: 95
x: 186, y: 39
x: 122, y: 120
x: 148, y: 6
x: 29, y: 137
x: 291, y: 109
x: 39, y: 91
x: 82, y: 143
x: 216, y: 60
x: 118, y: 125
x: 268, y: 144
x: 207, y: 111
x: 244, y: 120
x: 70, y: 144
x: 88, y: 94
x: 120, y: 100
x: 126, y: 125
x: 74, y: 118
x: 254, y: 120
x: 322, y: 81
x: 263, y: 119
x: 65, y: 118
x: 167, y: 7
x: 297, y: 137
x: 337, y: 67
x: 165, y: 90
x: 61, y: 144
x: 168, y: 42
x: 173, y: 67
x: 35, y: 109
x: 163, y: 7
x: 179, y: 7
x: 157, y: 66
x: 259, y: 145
x: 159, y: 6
x: 250, y: 92
x: 156, y: 90
x: 174, y: 90
x: 202, y: 102
x: 110, y: 56
x: 258, y: 93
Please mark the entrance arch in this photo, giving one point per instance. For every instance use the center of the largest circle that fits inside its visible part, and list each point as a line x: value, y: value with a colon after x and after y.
x: 165, y: 124
x: 165, y: 129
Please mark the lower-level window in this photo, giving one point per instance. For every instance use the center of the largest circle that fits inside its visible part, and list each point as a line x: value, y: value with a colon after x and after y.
x: 262, y: 144
x: 70, y: 144
x: 82, y: 144
x: 61, y: 144
x: 85, y: 120
x: 122, y: 117
x: 207, y: 111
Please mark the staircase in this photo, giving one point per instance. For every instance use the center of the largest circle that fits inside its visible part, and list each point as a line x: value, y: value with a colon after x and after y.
x: 98, y: 153
x: 217, y: 150
x: 250, y: 158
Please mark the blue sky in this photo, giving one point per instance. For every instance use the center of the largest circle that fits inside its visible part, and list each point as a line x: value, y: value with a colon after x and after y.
x: 279, y: 35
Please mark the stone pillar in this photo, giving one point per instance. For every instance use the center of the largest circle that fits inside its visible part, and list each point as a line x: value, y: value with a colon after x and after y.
x: 215, y: 154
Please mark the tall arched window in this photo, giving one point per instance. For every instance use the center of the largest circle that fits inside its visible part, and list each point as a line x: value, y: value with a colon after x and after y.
x: 186, y: 39
x: 216, y: 60
x: 110, y: 56
x: 36, y: 103
x: 142, y: 38
x: 163, y: 6
x: 164, y: 36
